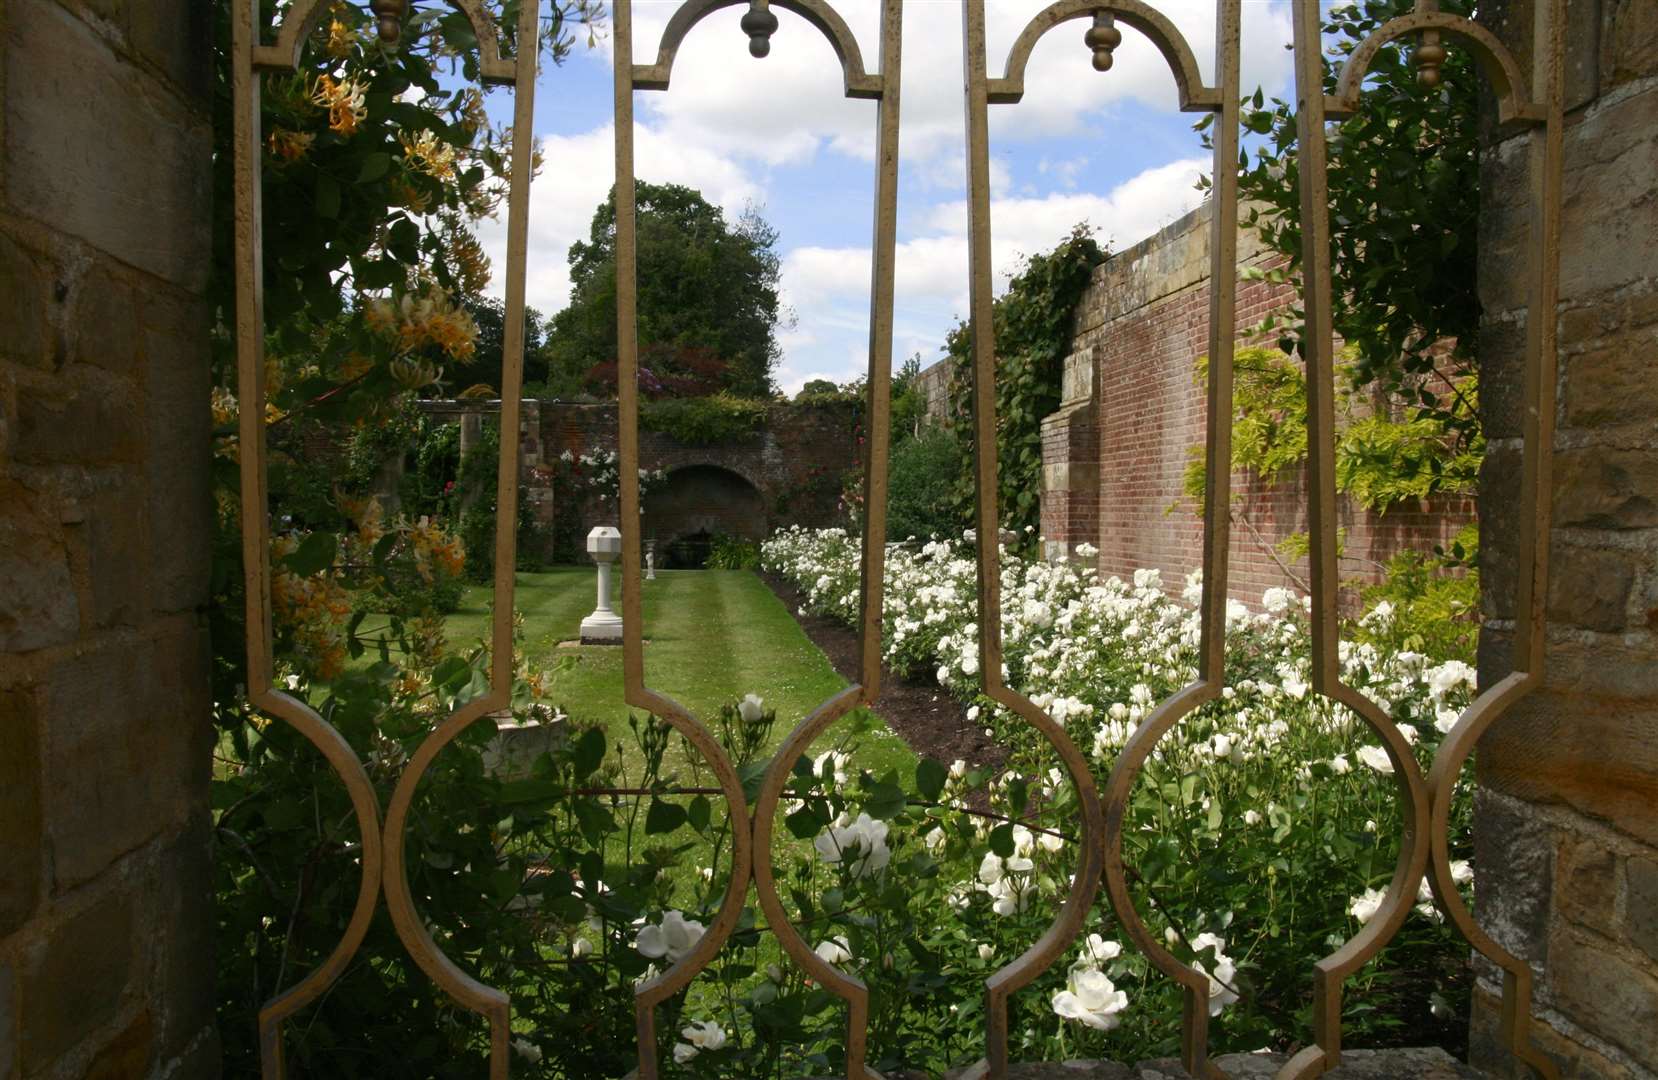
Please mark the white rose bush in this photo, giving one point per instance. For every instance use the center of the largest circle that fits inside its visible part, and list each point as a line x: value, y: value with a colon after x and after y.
x: 1260, y: 836
x: 1263, y: 830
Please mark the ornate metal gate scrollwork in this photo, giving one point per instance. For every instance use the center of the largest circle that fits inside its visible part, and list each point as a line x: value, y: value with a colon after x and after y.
x: 752, y: 851
x: 382, y: 851
x: 1534, y: 102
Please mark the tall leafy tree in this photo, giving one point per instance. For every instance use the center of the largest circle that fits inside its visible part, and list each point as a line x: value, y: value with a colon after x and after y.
x: 1404, y: 212
x: 705, y: 284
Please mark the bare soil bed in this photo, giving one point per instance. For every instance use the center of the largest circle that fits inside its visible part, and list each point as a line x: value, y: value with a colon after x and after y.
x: 925, y: 716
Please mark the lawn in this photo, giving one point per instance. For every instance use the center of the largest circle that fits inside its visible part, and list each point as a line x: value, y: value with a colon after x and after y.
x: 712, y: 636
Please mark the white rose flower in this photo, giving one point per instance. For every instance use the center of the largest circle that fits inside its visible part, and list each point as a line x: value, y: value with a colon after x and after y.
x: 986, y: 951
x: 862, y: 844
x: 837, y: 950
x: 1376, y: 758
x: 751, y: 708
x: 1220, y: 993
x: 1090, y: 997
x: 527, y: 1050
x: 934, y: 839
x: 1364, y: 908
x: 673, y: 937
x: 1340, y: 765
x: 1097, y: 950
x: 1252, y: 817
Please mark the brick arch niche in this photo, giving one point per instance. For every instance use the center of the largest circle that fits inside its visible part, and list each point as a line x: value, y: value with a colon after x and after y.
x: 696, y: 503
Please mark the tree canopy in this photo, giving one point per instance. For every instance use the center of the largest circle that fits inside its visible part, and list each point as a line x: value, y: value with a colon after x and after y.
x: 1404, y: 210
x: 707, y: 288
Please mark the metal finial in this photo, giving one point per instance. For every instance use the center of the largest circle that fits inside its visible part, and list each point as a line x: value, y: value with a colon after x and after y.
x: 759, y: 24
x: 389, y: 15
x: 1103, y: 37
x: 1430, y: 54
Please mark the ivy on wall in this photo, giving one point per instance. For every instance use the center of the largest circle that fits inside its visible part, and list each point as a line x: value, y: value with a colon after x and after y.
x: 1034, y: 322
x: 704, y: 421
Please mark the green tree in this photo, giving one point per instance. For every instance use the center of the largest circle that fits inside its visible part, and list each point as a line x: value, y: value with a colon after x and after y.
x: 1404, y: 213
x: 490, y: 315
x: 704, y: 285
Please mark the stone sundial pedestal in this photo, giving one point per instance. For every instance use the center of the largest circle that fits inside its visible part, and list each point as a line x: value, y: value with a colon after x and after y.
x: 604, y: 626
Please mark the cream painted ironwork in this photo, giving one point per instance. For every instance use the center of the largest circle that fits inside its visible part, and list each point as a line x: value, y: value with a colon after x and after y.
x: 1534, y: 102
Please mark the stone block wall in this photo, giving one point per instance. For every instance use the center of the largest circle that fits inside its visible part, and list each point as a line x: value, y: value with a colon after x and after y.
x: 1567, y: 821
x: 106, y: 927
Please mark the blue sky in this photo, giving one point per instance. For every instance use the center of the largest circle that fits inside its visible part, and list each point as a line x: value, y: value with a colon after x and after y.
x: 1107, y: 148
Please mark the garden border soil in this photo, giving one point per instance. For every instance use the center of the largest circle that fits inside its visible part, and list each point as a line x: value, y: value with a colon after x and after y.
x: 923, y: 714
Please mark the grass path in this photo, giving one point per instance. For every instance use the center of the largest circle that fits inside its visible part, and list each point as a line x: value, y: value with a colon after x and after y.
x: 712, y: 636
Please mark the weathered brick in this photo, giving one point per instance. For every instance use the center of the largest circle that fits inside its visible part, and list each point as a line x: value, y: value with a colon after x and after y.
x: 117, y: 540
x: 139, y: 158
x: 1603, y: 990
x: 1563, y: 745
x: 103, y: 323
x: 1629, y: 41
x: 1488, y: 1050
x: 22, y: 305
x: 8, y: 1020
x: 1605, y: 488
x: 38, y: 606
x: 179, y: 913
x: 178, y: 424
x: 19, y: 809
x: 127, y: 1055
x: 1641, y: 904
x: 177, y: 40
x: 1610, y: 206
x: 1589, y: 587
x: 125, y: 734
x: 75, y: 981
x: 1515, y: 853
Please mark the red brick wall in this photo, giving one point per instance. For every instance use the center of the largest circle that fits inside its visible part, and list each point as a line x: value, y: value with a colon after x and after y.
x: 1146, y: 319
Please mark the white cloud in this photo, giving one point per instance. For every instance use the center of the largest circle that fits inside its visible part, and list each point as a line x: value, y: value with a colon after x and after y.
x: 829, y: 286
x: 576, y: 175
x: 789, y: 106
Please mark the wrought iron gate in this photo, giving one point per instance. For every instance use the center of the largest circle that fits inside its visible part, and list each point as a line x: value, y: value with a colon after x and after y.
x: 1533, y: 101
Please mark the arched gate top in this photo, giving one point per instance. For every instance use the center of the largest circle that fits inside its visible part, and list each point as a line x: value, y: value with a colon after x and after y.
x: 1194, y: 95
x: 859, y: 83
x: 1514, y: 102
x: 303, y: 16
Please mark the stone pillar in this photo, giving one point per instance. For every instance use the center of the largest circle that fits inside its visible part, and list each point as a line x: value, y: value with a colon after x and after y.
x: 106, y: 926
x: 1566, y: 824
x: 1071, y: 461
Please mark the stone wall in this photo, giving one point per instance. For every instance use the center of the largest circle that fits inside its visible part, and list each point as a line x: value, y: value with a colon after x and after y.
x: 106, y: 928
x: 789, y: 472
x: 1567, y: 822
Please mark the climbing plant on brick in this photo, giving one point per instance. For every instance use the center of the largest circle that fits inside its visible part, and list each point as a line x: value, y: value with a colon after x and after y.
x: 1033, y: 324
